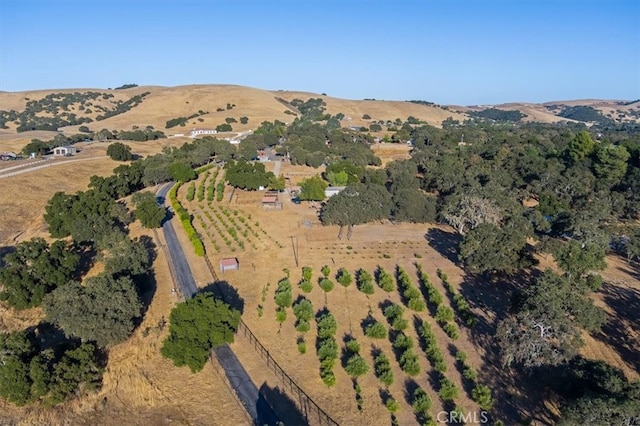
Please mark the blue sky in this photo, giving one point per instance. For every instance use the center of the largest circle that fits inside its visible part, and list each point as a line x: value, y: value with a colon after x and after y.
x: 444, y: 51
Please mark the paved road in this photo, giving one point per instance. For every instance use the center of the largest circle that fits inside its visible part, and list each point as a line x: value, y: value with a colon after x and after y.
x: 179, y: 263
x: 246, y: 390
x: 41, y: 165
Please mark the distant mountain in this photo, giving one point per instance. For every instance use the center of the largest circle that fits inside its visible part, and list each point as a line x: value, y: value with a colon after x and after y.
x: 182, y: 108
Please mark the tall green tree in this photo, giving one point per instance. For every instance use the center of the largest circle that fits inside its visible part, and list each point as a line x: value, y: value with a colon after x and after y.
x: 181, y: 172
x: 35, y: 269
x: 610, y: 165
x: 124, y: 256
x: 119, y: 152
x: 489, y: 248
x: 196, y: 326
x: 147, y: 211
x: 104, y: 310
x: 313, y: 189
x: 581, y: 146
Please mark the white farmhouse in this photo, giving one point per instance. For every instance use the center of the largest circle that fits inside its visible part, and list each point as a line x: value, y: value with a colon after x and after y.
x: 202, y: 132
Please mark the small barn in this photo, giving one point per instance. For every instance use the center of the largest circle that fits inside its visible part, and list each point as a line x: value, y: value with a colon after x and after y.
x: 229, y: 264
x: 271, y: 202
x: 65, y: 151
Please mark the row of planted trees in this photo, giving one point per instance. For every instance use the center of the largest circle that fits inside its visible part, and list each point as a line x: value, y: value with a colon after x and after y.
x: 403, y: 344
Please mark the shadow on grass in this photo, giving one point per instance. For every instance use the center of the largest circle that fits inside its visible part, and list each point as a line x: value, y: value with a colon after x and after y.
x: 227, y: 293
x: 617, y: 331
x: 276, y: 407
x: 445, y: 243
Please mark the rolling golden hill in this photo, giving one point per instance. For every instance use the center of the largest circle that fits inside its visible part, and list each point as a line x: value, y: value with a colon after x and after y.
x: 210, y: 105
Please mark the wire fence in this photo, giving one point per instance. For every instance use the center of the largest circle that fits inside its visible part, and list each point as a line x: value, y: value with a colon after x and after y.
x: 308, y: 407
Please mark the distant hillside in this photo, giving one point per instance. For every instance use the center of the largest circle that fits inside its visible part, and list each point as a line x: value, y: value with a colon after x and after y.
x: 178, y: 109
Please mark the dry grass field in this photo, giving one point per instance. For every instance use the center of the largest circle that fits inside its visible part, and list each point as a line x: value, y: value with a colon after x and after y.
x: 142, y: 388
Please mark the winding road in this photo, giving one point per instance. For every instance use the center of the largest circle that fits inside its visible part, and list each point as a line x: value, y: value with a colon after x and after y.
x: 246, y: 390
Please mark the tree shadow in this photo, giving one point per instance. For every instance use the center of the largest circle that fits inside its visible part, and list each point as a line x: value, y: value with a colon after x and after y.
x: 410, y: 387
x: 346, y: 353
x: 366, y: 322
x: 275, y: 407
x: 5, y: 250
x: 445, y: 243
x: 616, y: 332
x: 87, y: 253
x: 168, y: 215
x: 518, y: 394
x: 227, y: 293
x: 322, y: 312
x: 384, y: 305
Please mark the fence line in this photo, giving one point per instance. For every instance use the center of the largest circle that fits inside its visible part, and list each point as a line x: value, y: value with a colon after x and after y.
x: 307, y: 406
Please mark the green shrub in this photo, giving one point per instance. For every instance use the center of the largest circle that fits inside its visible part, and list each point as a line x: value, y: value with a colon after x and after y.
x: 382, y: 368
x: 400, y: 324
x: 392, y: 405
x: 302, y: 347
x: 470, y: 374
x: 482, y: 395
x: 376, y: 330
x: 283, y: 295
x: 421, y: 403
x: 344, y: 277
x: 392, y: 312
x: 409, y: 363
x: 328, y: 351
x: 303, y: 309
x: 327, y: 325
x: 444, y: 314
x: 448, y: 390
x: 281, y: 315
x: 326, y: 284
x: 352, y: 346
x: 356, y: 366
x: 325, y: 270
x: 306, y: 286
x: 328, y: 377
x: 451, y: 330
x: 416, y: 305
x: 403, y: 342
x: 440, y: 366
x: 303, y: 326
x: 307, y: 273
x: 385, y: 280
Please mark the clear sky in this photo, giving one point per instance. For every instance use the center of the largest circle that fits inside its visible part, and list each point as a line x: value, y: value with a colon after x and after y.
x: 444, y: 51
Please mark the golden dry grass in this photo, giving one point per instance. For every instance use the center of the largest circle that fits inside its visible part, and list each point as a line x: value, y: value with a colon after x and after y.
x: 142, y: 388
x: 377, y: 110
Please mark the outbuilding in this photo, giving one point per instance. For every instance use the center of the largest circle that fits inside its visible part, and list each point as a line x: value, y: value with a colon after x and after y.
x: 333, y: 190
x: 229, y: 264
x: 65, y: 151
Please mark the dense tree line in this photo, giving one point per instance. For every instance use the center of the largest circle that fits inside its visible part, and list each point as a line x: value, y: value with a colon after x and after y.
x: 31, y: 370
x: 495, y: 114
x: 56, y: 106
x: 251, y: 176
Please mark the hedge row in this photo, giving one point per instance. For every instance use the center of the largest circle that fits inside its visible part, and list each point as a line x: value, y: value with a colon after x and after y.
x: 185, y: 219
